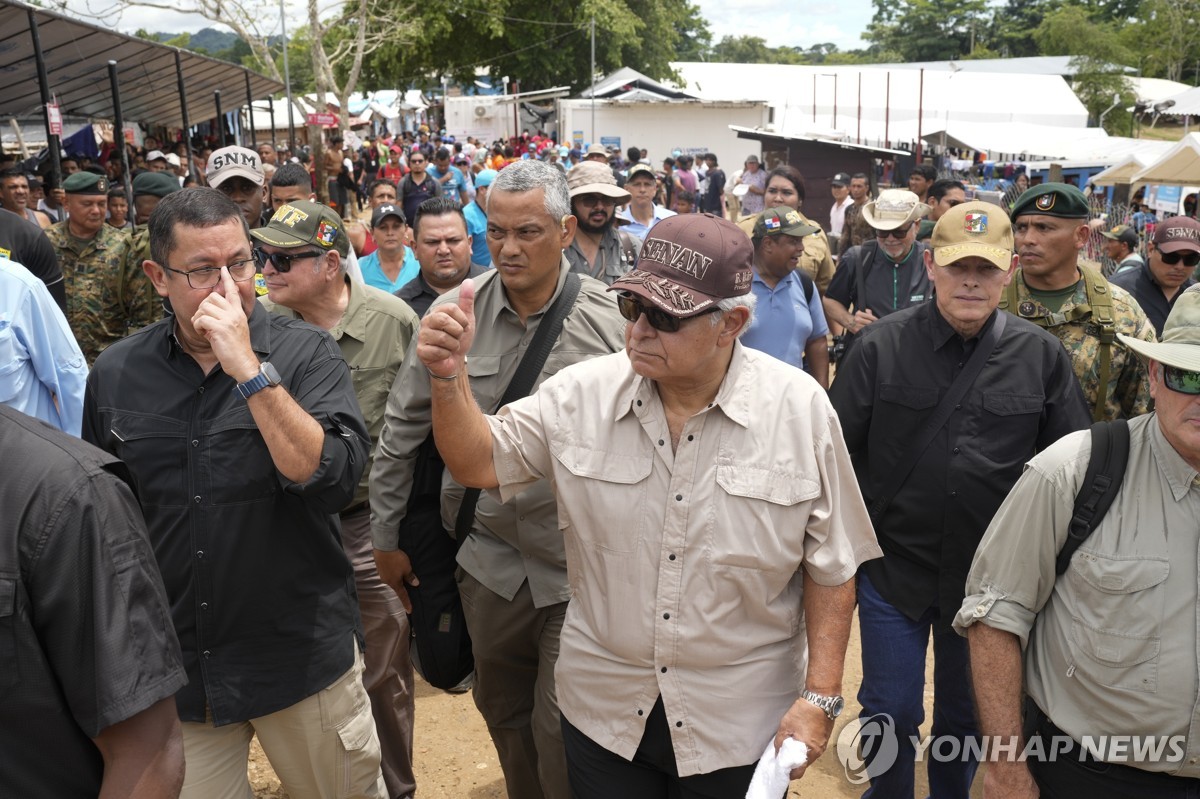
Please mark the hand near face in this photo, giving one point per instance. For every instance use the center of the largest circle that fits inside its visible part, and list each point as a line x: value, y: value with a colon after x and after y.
x: 222, y: 321
x: 447, y: 332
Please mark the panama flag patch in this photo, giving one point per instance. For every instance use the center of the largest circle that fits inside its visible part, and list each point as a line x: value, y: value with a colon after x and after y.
x: 976, y: 223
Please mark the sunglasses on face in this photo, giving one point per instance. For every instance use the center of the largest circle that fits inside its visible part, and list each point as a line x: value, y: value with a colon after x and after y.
x: 898, y: 233
x: 283, y: 261
x: 1181, y: 381
x: 1172, y: 258
x: 659, y: 319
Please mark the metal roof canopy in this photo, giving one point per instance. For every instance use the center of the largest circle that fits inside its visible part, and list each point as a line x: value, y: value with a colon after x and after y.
x: 77, y: 54
x: 764, y: 135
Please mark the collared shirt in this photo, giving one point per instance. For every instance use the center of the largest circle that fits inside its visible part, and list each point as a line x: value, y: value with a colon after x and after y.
x: 26, y: 243
x: 262, y: 595
x: 1111, y: 647
x: 373, y: 335
x: 1025, y: 398
x: 1129, y: 263
x: 107, y: 292
x: 477, y: 229
x: 837, y: 215
x: 518, y: 540
x: 87, y: 640
x: 785, y: 320
x: 687, y: 566
x: 39, y: 359
x: 617, y: 254
x: 636, y: 228
x: 420, y: 295
x: 1127, y: 393
x: 372, y: 272
x: 889, y: 286
x: 1145, y: 289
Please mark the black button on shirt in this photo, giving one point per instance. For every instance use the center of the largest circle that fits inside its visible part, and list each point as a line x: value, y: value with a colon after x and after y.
x: 273, y: 572
x: 1025, y: 398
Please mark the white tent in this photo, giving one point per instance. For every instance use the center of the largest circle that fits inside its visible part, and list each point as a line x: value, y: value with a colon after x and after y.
x: 1180, y: 166
x: 1184, y: 103
x: 1120, y: 173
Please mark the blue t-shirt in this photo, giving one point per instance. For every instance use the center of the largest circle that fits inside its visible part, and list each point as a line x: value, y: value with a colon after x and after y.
x: 784, y: 321
x: 477, y: 229
x: 373, y: 274
x: 459, y: 182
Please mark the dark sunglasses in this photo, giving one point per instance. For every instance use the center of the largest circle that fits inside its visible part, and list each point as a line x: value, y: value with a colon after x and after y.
x: 659, y: 319
x: 1181, y: 381
x: 898, y: 233
x: 282, y: 261
x: 1172, y: 258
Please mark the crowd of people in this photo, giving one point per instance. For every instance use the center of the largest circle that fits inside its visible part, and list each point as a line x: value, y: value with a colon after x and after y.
x: 688, y: 432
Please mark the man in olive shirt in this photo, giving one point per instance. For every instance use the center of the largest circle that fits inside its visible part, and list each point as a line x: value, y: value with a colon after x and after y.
x: 513, y: 578
x: 1106, y: 650
x: 372, y: 329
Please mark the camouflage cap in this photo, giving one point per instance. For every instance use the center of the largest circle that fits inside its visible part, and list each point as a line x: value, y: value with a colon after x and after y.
x: 1179, y: 345
x: 1052, y: 199
x: 305, y: 222
x: 86, y: 183
x: 156, y: 184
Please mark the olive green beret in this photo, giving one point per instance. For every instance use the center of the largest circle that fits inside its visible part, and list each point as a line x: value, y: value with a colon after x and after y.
x: 157, y: 184
x: 1052, y: 199
x: 86, y: 183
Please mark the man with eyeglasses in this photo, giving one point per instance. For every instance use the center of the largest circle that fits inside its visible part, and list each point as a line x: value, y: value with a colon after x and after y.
x: 1174, y: 254
x: 418, y: 185
x: 1106, y: 651
x: 373, y: 330
x: 710, y: 508
x: 883, y: 276
x: 600, y: 248
x: 513, y: 576
x: 244, y: 439
x: 1072, y: 300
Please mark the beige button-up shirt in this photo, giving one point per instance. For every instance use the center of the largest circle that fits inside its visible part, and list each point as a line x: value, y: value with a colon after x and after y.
x: 374, y: 335
x: 1111, y: 646
x: 517, y: 540
x: 685, y: 566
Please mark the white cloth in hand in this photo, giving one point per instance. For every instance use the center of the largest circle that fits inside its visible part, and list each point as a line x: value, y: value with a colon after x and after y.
x: 773, y: 772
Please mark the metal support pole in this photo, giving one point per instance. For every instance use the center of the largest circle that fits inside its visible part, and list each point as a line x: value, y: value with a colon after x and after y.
x: 119, y: 139
x: 814, y: 98
x: 220, y: 119
x: 858, y: 136
x: 920, y: 116
x: 593, y: 77
x: 271, y: 100
x: 887, y: 112
x: 187, y: 125
x: 287, y: 80
x: 44, y: 88
x: 250, y: 112
x: 835, y: 77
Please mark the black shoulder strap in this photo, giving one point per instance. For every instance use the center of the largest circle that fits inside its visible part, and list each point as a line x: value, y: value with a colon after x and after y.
x: 867, y: 251
x: 807, y: 283
x: 938, y: 418
x: 522, y: 382
x: 1101, y: 483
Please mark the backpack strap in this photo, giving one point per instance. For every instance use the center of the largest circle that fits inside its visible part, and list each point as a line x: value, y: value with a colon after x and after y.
x: 807, y: 283
x: 1099, y: 296
x: 867, y: 252
x: 1101, y: 484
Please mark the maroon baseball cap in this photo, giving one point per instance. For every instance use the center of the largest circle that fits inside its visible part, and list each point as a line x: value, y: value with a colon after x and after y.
x: 1177, y: 233
x: 690, y: 262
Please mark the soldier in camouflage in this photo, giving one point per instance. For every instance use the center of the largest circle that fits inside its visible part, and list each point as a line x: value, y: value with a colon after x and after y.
x: 105, y: 285
x: 1074, y: 301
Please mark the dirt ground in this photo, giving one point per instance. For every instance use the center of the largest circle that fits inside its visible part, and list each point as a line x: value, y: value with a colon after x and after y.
x: 455, y: 758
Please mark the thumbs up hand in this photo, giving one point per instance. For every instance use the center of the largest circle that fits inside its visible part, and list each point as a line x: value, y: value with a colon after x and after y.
x: 447, y: 332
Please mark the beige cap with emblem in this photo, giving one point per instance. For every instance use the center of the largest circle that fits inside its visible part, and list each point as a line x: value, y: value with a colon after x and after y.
x: 974, y: 229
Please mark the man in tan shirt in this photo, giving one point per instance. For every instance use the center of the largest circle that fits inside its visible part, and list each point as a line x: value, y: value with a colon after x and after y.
x: 303, y: 253
x: 513, y: 579
x: 1103, y: 655
x: 711, y: 516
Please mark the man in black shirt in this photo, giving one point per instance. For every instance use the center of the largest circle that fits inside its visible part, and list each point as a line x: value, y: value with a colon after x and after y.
x: 443, y: 248
x: 89, y: 663
x: 889, y: 386
x: 418, y: 185
x: 1173, y: 254
x: 24, y: 242
x: 244, y: 438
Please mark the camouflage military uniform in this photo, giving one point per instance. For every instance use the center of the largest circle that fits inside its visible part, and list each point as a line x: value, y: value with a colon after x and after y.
x: 108, y: 294
x: 855, y: 229
x: 1127, y: 393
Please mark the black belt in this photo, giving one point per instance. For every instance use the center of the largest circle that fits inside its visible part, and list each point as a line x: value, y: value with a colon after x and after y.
x: 353, y: 509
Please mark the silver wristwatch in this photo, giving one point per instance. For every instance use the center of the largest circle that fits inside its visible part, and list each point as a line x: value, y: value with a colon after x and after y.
x: 832, y: 705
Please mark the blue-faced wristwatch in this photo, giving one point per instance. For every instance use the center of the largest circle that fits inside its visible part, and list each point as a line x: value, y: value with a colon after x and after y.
x: 267, y: 376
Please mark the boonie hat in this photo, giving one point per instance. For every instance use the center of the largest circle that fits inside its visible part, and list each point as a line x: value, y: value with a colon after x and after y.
x: 1177, y: 233
x: 597, y: 149
x: 841, y: 179
x: 689, y: 263
x: 384, y: 211
x: 1180, y: 342
x: 1052, y: 199
x: 894, y: 208
x: 234, y: 162
x: 593, y: 177
x: 155, y: 184
x: 782, y: 221
x: 485, y: 178
x: 973, y: 229
x: 304, y: 222
x: 86, y: 183
x: 1124, y: 233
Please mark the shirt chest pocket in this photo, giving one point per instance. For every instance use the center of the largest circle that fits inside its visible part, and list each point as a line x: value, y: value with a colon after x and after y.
x: 1116, y: 619
x: 608, y: 489
x: 1009, y: 426
x: 13, y: 356
x: 156, y: 450
x: 237, y: 463
x: 759, y: 517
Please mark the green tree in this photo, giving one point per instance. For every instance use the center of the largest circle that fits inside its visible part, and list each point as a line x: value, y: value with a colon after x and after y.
x: 1099, y: 73
x: 928, y: 30
x: 1166, y: 37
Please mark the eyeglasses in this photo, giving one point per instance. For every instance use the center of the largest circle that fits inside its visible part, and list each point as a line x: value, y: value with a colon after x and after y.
x: 282, y: 261
x: 1181, y: 380
x: 210, y: 276
x: 1172, y: 258
x: 416, y: 160
x: 898, y: 233
x: 659, y: 319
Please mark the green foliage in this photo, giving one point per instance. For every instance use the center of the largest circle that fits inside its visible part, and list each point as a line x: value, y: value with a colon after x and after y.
x: 928, y: 30
x: 1098, y: 57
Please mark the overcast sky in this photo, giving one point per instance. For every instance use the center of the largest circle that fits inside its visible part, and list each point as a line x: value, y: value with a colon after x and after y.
x: 802, y: 23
